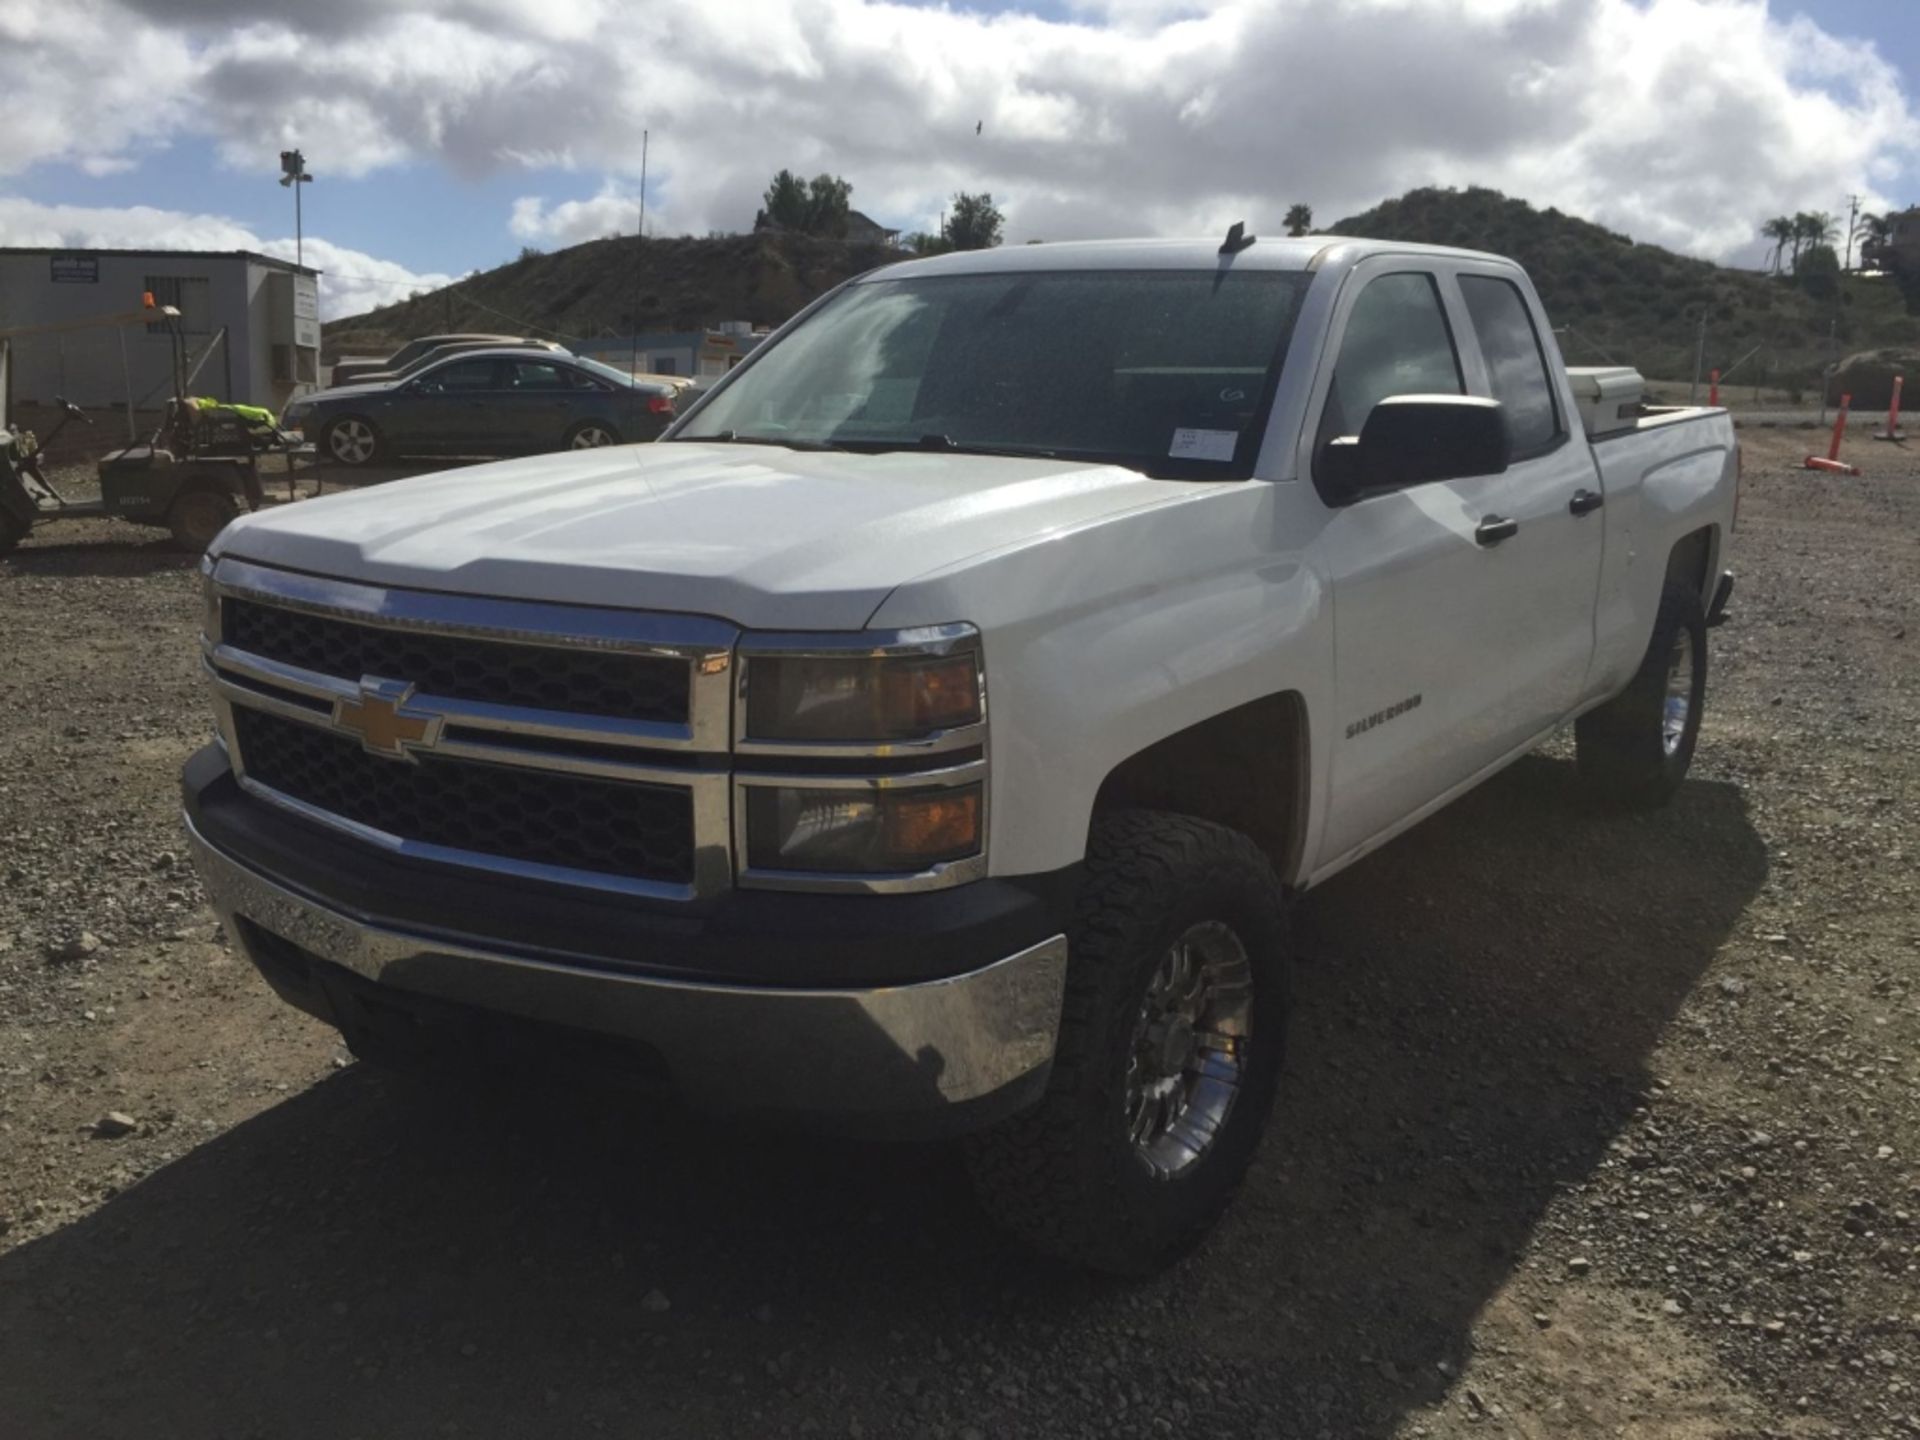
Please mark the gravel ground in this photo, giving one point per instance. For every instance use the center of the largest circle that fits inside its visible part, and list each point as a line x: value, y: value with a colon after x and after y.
x: 1593, y: 1125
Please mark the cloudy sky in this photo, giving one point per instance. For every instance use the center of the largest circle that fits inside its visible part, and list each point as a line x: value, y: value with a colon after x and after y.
x: 446, y: 134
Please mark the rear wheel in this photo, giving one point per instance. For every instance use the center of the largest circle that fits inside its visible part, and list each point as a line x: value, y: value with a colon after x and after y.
x: 591, y: 435
x: 196, y: 517
x: 12, y: 530
x: 351, y: 440
x: 1635, y: 749
x: 1169, y: 1050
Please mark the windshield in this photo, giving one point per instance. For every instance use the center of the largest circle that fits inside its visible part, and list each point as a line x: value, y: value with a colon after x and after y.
x: 1169, y: 372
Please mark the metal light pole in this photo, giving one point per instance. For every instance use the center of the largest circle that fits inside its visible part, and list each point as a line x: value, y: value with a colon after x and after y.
x: 640, y: 245
x: 293, y: 171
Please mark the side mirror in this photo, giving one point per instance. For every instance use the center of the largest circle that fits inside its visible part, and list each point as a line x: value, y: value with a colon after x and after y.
x: 1414, y: 439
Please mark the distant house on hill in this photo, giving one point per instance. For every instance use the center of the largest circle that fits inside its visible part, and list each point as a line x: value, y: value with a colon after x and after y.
x: 863, y: 230
x: 1901, y: 249
x: 701, y: 354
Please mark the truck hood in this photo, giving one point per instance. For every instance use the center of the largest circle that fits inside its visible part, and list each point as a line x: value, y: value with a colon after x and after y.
x: 766, y: 537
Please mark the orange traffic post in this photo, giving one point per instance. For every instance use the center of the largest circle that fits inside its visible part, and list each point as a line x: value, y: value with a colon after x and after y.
x: 1892, y: 432
x: 1713, y: 387
x: 1831, y: 460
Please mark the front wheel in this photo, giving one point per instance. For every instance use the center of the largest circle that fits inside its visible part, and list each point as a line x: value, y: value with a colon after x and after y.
x: 1635, y: 749
x: 351, y: 440
x: 1169, y: 1051
x: 195, y: 518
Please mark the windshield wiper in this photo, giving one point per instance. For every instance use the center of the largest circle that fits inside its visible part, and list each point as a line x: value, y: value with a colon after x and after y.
x: 952, y: 446
x: 785, y: 442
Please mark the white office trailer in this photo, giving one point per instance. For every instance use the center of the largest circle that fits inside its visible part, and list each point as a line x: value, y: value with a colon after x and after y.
x: 268, y: 308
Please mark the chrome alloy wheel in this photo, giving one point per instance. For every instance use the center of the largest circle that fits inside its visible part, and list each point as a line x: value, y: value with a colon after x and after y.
x: 592, y: 437
x: 351, y: 441
x: 1679, y: 701
x: 1189, y: 1052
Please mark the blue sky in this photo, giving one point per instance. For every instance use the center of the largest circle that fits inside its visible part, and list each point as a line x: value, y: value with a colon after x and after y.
x: 444, y: 136
x: 1888, y: 24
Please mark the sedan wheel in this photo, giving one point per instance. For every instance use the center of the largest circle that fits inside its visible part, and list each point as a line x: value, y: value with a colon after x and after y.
x: 352, y: 441
x: 591, y: 436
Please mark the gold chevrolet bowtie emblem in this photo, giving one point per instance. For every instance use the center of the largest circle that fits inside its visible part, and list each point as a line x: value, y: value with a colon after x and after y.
x: 380, y: 717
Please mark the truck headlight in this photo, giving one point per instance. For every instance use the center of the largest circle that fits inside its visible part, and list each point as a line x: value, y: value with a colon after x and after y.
x: 916, y: 688
x: 861, y: 760
x: 862, y: 831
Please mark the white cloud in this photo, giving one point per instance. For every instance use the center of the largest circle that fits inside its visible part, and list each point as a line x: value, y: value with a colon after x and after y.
x: 1680, y: 121
x: 352, y: 280
x: 612, y: 212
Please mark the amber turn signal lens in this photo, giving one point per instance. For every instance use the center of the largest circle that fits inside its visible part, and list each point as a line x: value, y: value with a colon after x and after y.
x: 932, y: 695
x: 928, y: 827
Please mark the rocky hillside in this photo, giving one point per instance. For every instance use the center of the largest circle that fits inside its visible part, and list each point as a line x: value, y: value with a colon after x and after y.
x: 1619, y: 302
x: 1616, y: 302
x: 621, y: 285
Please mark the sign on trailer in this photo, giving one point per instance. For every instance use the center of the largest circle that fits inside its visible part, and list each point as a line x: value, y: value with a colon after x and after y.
x: 75, y: 269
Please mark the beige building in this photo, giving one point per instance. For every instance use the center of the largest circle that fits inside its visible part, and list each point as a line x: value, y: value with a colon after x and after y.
x: 269, y: 309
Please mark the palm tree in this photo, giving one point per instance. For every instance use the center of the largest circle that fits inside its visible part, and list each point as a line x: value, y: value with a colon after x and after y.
x: 1779, y: 230
x: 1812, y: 228
x: 1299, y: 219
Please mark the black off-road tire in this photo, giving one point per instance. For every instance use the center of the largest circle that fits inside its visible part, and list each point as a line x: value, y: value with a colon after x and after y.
x: 12, y: 531
x: 1065, y: 1175
x: 197, y: 516
x: 1623, y: 754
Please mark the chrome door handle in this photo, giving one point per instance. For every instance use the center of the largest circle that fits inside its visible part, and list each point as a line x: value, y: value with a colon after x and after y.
x: 1585, y: 502
x: 1494, y: 529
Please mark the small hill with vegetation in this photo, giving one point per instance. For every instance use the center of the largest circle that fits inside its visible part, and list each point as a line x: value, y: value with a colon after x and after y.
x: 1618, y: 302
x: 619, y: 286
x: 1614, y: 301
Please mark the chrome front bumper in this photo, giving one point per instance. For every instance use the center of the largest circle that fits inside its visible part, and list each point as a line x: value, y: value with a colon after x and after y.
x: 859, y: 1054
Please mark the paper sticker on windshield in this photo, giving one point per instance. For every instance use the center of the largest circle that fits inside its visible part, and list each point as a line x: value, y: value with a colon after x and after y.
x: 1203, y: 444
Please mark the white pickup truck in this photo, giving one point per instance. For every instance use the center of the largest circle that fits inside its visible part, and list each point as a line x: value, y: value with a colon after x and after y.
x: 928, y: 734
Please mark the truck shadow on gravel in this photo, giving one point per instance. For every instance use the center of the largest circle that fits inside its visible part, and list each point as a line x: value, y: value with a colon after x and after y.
x: 1476, y: 1009
x: 143, y: 552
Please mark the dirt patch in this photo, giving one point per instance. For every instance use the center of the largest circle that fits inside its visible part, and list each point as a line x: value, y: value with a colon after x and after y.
x: 1593, y: 1124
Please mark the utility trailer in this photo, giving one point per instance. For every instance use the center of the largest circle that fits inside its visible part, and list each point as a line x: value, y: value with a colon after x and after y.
x: 191, y: 476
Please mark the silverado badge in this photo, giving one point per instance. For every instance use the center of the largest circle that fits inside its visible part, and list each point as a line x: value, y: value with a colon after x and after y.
x: 380, y: 717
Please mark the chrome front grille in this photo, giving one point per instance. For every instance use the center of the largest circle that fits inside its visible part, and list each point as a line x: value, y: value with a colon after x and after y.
x: 552, y: 821
x: 615, y: 684
x: 556, y: 742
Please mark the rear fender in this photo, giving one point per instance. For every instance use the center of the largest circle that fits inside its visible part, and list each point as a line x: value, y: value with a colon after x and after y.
x: 1680, y: 503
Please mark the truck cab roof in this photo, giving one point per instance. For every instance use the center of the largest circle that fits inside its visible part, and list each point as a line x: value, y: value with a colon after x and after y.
x: 1307, y: 252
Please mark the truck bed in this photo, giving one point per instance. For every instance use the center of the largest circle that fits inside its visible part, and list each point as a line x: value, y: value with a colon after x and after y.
x: 1655, y: 417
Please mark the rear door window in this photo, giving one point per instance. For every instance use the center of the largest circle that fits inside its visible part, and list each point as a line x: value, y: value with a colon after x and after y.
x: 1516, y: 363
x: 538, y: 375
x: 465, y: 375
